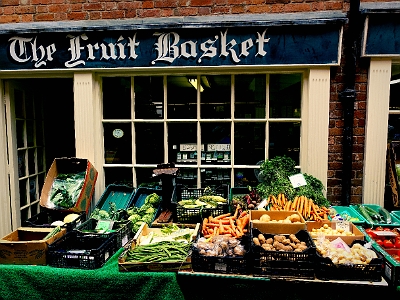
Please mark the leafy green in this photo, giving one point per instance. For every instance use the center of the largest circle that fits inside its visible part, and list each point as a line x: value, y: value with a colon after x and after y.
x: 274, y: 179
x: 66, y: 189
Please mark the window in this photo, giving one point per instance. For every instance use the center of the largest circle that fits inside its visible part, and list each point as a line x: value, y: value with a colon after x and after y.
x: 217, y: 128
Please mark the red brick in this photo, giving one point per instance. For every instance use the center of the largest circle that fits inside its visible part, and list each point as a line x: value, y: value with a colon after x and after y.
x: 93, y: 6
x: 9, y: 2
x: 201, y: 2
x: 77, y: 16
x: 59, y: 8
x: 112, y: 14
x: 44, y: 17
x: 9, y: 19
x: 165, y: 3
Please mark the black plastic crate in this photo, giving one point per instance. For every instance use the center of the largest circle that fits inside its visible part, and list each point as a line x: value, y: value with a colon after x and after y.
x: 123, y: 230
x: 196, y: 215
x: 223, y: 264
x: 78, y: 251
x: 285, y: 264
x: 46, y: 217
x: 326, y: 270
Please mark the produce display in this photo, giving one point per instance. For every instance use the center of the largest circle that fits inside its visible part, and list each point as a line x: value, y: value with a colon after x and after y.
x: 376, y: 216
x: 170, y: 244
x: 66, y: 189
x: 248, y: 201
x: 280, y: 242
x: 385, y: 237
x: 340, y: 253
x: 145, y: 213
x: 328, y: 230
x: 227, y: 225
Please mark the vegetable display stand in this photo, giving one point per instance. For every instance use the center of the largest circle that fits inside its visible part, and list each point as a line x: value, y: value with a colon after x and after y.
x: 325, y: 269
x: 197, y: 214
x: 230, y: 264
x: 77, y: 251
x: 283, y: 264
x: 122, y: 230
x: 46, y: 217
x: 121, y: 195
x: 348, y: 213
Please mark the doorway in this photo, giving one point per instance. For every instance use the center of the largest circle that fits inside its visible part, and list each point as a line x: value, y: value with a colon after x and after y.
x: 40, y: 128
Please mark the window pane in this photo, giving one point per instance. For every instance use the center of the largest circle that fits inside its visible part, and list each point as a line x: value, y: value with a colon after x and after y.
x: 181, y: 98
x: 250, y: 92
x: 144, y: 178
x: 249, y: 143
x: 187, y: 177
x: 21, y: 163
x: 20, y: 134
x: 246, y: 177
x: 216, y: 97
x: 31, y: 161
x: 149, y: 97
x: 32, y: 189
x: 22, y: 192
x: 19, y: 104
x: 215, y: 177
x: 284, y: 139
x: 182, y: 143
x: 117, y: 143
x: 216, y: 138
x: 122, y: 176
x: 117, y: 97
x: 30, y: 133
x: 285, y: 95
x: 149, y: 143
x: 40, y: 161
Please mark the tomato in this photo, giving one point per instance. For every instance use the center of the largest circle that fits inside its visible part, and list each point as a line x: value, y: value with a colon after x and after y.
x: 379, y: 228
x: 379, y: 242
x: 397, y: 243
x: 388, y: 244
x: 370, y: 232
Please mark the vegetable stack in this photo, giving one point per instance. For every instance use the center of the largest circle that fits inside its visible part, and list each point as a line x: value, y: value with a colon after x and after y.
x: 225, y: 224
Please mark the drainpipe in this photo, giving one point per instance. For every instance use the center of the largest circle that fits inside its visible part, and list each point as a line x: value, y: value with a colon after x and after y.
x: 347, y: 97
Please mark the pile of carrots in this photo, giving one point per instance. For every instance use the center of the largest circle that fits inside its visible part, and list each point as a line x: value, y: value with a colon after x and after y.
x: 305, y: 206
x: 226, y: 224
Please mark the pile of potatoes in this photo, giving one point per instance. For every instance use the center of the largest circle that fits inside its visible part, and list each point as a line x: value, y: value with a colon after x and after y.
x: 327, y: 230
x: 293, y: 218
x: 280, y: 243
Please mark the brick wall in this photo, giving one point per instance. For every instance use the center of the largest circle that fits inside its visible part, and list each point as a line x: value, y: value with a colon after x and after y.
x: 16, y: 11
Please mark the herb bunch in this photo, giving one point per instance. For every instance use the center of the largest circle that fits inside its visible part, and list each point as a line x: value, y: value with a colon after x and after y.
x: 274, y: 179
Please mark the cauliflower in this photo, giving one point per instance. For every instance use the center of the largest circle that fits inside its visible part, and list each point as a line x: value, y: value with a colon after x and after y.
x: 100, y: 214
x: 134, y: 218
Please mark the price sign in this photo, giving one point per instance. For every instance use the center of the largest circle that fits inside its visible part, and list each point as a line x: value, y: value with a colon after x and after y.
x: 345, y: 225
x: 262, y: 204
x: 190, y: 147
x: 297, y: 180
x: 104, y: 225
x: 218, y: 147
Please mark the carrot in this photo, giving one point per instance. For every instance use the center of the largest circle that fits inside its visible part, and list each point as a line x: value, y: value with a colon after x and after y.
x: 300, y: 205
x: 235, y: 215
x: 221, y: 220
x: 245, y: 222
x: 294, y: 204
x: 222, y: 216
x: 305, y: 208
x: 274, y: 200
x: 244, y: 213
x: 205, y: 221
x: 310, y: 203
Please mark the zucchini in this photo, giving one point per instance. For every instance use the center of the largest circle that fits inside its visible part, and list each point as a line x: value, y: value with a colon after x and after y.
x: 374, y: 214
x: 385, y: 215
x: 365, y: 214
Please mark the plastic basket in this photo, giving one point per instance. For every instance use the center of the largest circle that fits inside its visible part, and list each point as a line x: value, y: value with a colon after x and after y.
x: 226, y: 264
x: 77, y: 251
x: 284, y: 264
x: 196, y: 215
x: 48, y: 216
x: 353, y: 213
x: 121, y: 195
x: 327, y: 270
x: 123, y: 230
x: 395, y: 220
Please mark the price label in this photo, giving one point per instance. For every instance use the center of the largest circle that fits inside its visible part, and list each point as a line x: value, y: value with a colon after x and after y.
x: 104, y: 225
x: 384, y: 233
x: 219, y: 147
x: 297, y: 180
x: 345, y: 225
x: 262, y: 204
x: 220, y: 267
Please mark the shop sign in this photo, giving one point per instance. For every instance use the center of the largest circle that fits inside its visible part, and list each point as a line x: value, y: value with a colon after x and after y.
x: 240, y: 46
x: 381, y: 36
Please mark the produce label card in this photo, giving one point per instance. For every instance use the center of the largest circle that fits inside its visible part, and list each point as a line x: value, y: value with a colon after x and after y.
x: 345, y: 225
x: 104, y: 225
x: 297, y: 180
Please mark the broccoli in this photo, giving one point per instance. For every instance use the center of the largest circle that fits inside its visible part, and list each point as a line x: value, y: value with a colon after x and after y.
x: 152, y: 199
x: 100, y: 214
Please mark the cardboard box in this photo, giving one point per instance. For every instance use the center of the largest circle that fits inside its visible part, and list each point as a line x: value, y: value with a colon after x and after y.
x: 131, y: 266
x: 275, y: 227
x: 70, y: 166
x: 348, y: 239
x: 26, y: 246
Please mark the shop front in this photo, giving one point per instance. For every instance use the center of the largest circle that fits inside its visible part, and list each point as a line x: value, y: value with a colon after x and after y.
x: 380, y: 45
x: 216, y: 96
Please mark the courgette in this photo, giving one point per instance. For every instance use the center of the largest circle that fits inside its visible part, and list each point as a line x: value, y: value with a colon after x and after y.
x: 386, y: 215
x: 374, y: 214
x: 365, y: 214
